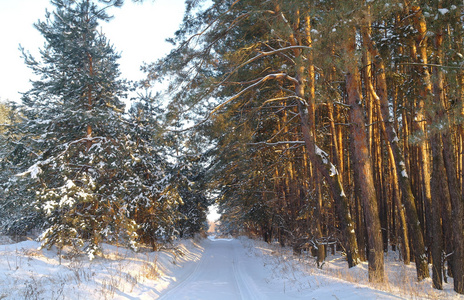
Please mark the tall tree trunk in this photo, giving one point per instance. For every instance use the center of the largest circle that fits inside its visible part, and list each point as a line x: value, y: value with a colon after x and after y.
x: 420, y: 124
x: 451, y: 190
x: 458, y: 203
x: 448, y: 151
x: 363, y: 167
x: 318, y: 157
x: 321, y: 161
x: 399, y: 161
x: 312, y: 113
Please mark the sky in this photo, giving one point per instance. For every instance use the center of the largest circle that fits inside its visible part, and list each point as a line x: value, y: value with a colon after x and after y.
x: 137, y: 31
x: 213, y: 214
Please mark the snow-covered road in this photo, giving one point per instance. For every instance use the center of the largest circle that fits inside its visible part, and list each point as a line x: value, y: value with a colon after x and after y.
x: 229, y: 270
x: 224, y: 272
x: 241, y: 269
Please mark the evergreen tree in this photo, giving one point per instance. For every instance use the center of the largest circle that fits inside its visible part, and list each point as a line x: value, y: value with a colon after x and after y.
x: 74, y: 145
x: 153, y: 196
x: 18, y: 215
x: 190, y: 184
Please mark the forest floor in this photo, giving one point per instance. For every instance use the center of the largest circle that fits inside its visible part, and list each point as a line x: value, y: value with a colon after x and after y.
x: 201, y: 269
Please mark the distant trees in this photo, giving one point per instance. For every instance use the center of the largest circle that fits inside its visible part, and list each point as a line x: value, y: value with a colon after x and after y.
x: 333, y: 123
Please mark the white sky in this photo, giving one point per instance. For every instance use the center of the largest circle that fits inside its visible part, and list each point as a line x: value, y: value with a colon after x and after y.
x: 138, y: 32
x: 213, y: 213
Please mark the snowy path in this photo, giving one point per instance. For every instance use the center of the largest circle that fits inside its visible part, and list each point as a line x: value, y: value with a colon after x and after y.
x: 220, y: 274
x: 228, y: 270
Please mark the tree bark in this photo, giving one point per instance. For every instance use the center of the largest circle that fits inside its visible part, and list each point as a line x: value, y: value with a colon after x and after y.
x: 320, y: 159
x: 399, y: 161
x: 439, y: 193
x: 312, y: 114
x: 420, y: 122
x: 363, y: 167
x: 446, y: 165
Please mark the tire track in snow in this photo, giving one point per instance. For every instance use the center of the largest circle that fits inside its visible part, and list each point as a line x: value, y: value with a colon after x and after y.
x: 220, y: 274
x: 248, y: 290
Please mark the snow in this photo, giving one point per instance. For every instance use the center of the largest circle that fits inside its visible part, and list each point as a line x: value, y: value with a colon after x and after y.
x: 333, y: 170
x: 49, y: 206
x: 322, y: 154
x: 33, y: 170
x: 404, y: 173
x: 200, y: 269
x: 443, y: 11
x: 65, y: 200
x: 29, y: 273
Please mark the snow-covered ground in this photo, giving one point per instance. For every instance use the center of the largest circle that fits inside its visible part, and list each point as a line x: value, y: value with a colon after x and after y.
x: 206, y: 269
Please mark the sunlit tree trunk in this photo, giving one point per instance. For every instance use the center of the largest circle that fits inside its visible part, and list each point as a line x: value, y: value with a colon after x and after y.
x: 316, y: 155
x: 312, y: 113
x: 446, y: 165
x: 362, y: 166
x: 399, y: 161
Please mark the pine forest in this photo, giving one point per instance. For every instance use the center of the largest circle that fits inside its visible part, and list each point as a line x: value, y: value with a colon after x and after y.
x: 321, y: 125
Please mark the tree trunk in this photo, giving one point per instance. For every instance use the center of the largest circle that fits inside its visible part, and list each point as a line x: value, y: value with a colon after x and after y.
x: 458, y: 203
x: 320, y: 159
x: 447, y: 168
x: 399, y: 161
x: 318, y: 232
x: 439, y: 193
x: 363, y: 168
x: 425, y: 91
x: 394, y: 175
x: 312, y: 113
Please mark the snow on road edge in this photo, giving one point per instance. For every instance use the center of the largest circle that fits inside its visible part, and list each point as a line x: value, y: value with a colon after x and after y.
x: 300, y: 277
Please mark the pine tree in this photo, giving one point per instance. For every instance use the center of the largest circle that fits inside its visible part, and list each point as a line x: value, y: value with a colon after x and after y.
x: 150, y: 187
x: 18, y: 215
x: 189, y: 182
x: 73, y: 127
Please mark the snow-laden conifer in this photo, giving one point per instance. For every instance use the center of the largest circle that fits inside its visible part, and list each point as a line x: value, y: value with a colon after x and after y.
x: 76, y: 151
